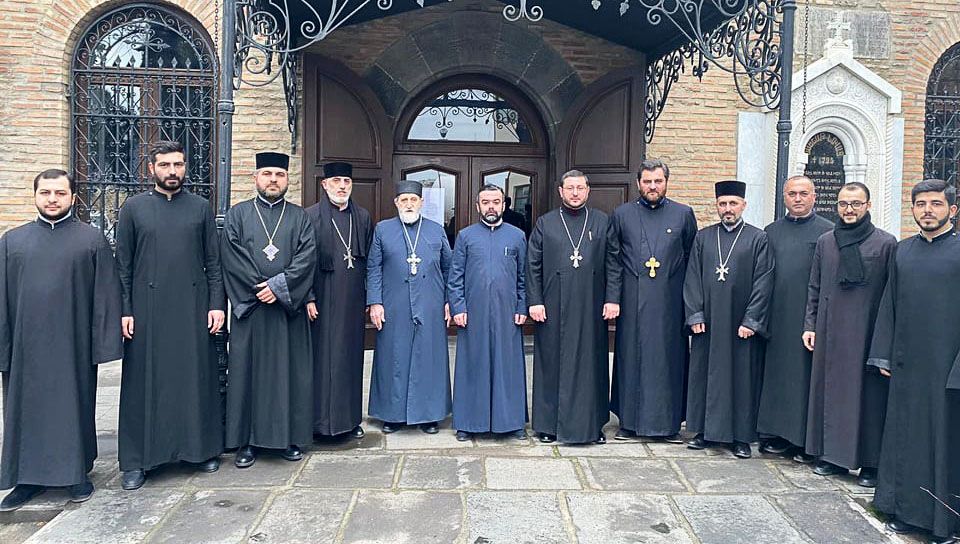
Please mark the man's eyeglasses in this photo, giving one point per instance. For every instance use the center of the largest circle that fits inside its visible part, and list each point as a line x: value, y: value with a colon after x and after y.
x: 856, y: 204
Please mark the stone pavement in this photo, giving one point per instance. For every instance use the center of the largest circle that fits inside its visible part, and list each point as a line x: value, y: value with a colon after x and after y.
x: 414, y: 488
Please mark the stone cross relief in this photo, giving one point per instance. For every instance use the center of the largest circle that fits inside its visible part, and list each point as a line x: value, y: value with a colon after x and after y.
x: 838, y: 40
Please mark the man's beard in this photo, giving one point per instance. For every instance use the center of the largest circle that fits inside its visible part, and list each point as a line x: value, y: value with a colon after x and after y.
x: 653, y: 197
x: 56, y: 217
x: 572, y: 207
x: 491, y: 218
x: 166, y: 184
x: 271, y: 198
x: 409, y: 217
x: 940, y: 224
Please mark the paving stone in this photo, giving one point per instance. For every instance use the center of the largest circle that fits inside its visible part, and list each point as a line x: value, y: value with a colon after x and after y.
x: 610, y: 449
x: 18, y: 532
x: 600, y: 518
x: 212, y: 517
x: 303, y: 516
x: 496, y: 517
x: 663, y: 449
x: 110, y: 517
x: 436, y: 472
x: 269, y: 470
x: 507, y: 473
x: 172, y: 475
x: 372, y: 442
x: 730, y: 476
x: 632, y: 475
x: 412, y: 438
x: 803, y: 477
x: 730, y: 519
x: 409, y: 517
x: 344, y: 471
x: 829, y: 518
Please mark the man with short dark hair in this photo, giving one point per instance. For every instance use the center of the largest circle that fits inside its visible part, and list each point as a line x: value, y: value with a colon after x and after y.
x: 649, y: 244
x: 59, y: 310
x: 486, y: 284
x: 173, y: 304
x: 916, y: 345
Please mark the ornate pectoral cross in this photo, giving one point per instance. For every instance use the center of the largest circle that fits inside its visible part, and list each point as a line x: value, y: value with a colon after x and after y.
x: 271, y: 251
x: 653, y: 264
x: 576, y: 258
x: 349, y: 258
x: 722, y: 272
x: 413, y: 261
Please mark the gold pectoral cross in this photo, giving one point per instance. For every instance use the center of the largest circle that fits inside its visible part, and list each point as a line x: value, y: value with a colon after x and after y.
x: 413, y: 261
x: 349, y: 258
x: 576, y: 258
x: 653, y: 264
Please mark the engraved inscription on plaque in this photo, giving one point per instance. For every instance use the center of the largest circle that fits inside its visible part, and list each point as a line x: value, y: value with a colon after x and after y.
x: 825, y: 167
x: 869, y: 31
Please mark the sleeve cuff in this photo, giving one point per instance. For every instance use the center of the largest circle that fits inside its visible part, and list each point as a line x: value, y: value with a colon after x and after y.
x: 278, y: 284
x: 879, y: 363
x: 695, y: 319
x: 753, y: 325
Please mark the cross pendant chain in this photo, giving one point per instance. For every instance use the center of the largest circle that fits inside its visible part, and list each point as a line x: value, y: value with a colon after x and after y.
x: 576, y: 258
x: 722, y: 272
x: 722, y: 268
x: 349, y: 258
x: 413, y: 260
x: 653, y: 264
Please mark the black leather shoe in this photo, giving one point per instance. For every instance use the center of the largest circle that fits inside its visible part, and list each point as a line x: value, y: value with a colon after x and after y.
x: 133, y: 479
x: 519, y: 434
x: 389, y: 427
x: 463, y: 436
x: 826, y: 468
x: 246, y: 457
x: 80, y: 492
x: 20, y: 495
x: 742, y: 450
x: 624, y: 434
x: 430, y: 428
x: 292, y: 453
x: 803, y: 458
x: 673, y: 439
x: 602, y: 439
x: 867, y: 477
x: 900, y: 527
x: 697, y: 442
x: 357, y: 432
x: 210, y: 465
x: 943, y: 540
x: 775, y: 446
x: 547, y: 438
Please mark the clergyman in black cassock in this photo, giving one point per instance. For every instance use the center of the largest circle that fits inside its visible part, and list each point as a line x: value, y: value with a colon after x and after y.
x: 344, y: 232
x: 649, y: 243
x: 59, y: 318
x: 566, y: 291
x: 848, y: 399
x: 269, y: 255
x: 786, y: 371
x: 727, y: 296
x: 173, y: 301
x: 915, y: 343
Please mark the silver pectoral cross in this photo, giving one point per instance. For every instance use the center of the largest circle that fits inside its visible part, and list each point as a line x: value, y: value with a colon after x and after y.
x: 722, y: 272
x: 413, y: 260
x: 271, y: 251
x: 576, y: 258
x: 349, y: 258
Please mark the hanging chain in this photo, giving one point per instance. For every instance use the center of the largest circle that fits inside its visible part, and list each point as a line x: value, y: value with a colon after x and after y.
x: 806, y: 51
x: 216, y: 43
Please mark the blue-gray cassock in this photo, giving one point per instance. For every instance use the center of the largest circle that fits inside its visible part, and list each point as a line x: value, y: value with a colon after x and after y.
x: 487, y: 282
x: 411, y: 366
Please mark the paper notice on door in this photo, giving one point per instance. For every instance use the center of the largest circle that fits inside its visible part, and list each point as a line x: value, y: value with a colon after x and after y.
x: 433, y: 204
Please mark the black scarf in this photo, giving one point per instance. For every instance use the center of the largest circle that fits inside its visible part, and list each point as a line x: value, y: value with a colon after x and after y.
x: 849, y: 238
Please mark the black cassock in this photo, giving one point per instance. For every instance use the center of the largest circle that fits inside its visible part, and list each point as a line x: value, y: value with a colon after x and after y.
x: 651, y: 356
x: 848, y: 400
x: 169, y: 262
x: 725, y: 370
x: 570, y: 361
x: 786, y: 369
x: 270, y: 379
x: 59, y: 318
x: 338, y: 331
x: 916, y: 339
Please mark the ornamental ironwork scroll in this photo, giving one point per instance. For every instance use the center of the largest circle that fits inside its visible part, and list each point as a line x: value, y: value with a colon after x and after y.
x: 941, y: 157
x: 140, y: 73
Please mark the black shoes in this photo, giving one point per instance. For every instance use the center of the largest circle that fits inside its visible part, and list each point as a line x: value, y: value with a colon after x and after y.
x: 742, y: 450
x: 292, y: 453
x: 803, y: 458
x: 80, y: 492
x: 388, y: 427
x: 246, y: 457
x: 900, y: 527
x: 210, y: 465
x: 602, y: 439
x: 20, y: 495
x: 867, y: 478
x: 547, y: 438
x: 943, y: 540
x: 357, y: 432
x: 519, y: 434
x: 697, y: 442
x: 133, y: 479
x: 775, y: 446
x: 624, y: 434
x: 463, y: 436
x: 826, y: 468
x: 672, y: 439
x: 430, y: 428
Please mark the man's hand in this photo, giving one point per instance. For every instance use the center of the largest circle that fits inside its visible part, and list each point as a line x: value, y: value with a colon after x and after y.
x: 215, y: 319
x: 538, y: 313
x: 809, y: 339
x: 699, y: 328
x: 519, y: 319
x: 446, y: 314
x: 126, y: 326
x: 376, y: 315
x: 265, y: 295
x: 460, y: 319
x: 312, y: 312
x: 611, y: 310
x: 884, y: 372
x: 744, y: 332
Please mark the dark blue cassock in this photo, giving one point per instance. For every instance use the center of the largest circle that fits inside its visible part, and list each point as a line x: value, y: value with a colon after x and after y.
x: 486, y: 282
x: 411, y: 368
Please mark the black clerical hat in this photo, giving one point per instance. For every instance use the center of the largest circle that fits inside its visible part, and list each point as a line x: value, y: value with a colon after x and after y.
x: 409, y: 186
x: 731, y: 188
x: 338, y: 170
x: 269, y: 159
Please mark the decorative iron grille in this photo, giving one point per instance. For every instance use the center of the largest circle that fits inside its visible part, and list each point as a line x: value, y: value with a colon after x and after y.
x: 474, y: 115
x: 941, y: 157
x: 141, y: 73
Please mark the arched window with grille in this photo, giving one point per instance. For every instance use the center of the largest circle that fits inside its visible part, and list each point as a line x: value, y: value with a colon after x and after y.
x: 141, y: 73
x: 941, y: 158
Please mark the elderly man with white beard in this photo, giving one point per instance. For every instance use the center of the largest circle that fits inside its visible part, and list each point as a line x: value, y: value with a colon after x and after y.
x: 407, y: 269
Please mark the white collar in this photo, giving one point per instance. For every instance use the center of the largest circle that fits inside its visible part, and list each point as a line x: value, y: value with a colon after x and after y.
x: 53, y: 224
x: 267, y: 202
